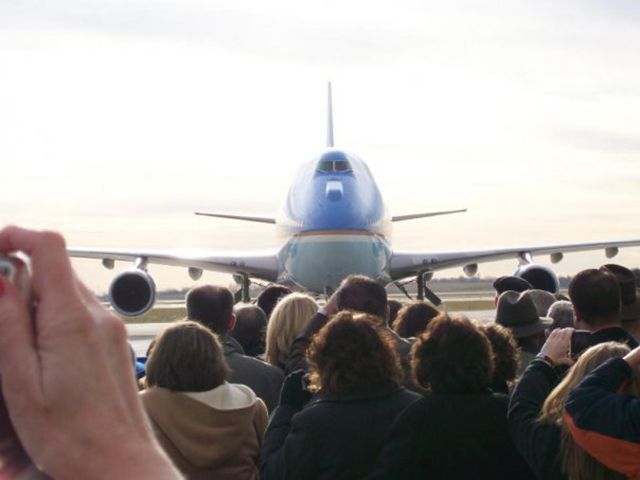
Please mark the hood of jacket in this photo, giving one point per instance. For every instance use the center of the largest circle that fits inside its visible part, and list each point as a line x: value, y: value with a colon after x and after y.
x: 207, y: 428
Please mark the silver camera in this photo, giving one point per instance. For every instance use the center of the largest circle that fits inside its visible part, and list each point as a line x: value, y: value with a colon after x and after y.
x: 15, y: 267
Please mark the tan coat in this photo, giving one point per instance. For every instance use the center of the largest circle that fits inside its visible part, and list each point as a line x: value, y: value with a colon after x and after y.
x: 215, y: 434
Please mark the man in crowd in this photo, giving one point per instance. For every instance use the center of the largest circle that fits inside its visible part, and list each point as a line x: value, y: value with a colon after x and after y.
x: 630, y: 311
x: 213, y: 307
x: 518, y: 312
x: 595, y: 294
x: 249, y: 330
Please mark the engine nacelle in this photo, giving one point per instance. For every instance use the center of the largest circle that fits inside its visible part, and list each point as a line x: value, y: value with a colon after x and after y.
x: 132, y: 292
x: 540, y: 277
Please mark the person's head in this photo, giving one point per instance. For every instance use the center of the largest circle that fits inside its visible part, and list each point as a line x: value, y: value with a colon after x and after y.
x: 505, y: 353
x: 561, y: 312
x: 452, y: 356
x: 510, y: 282
x: 270, y: 296
x: 361, y: 294
x: 630, y: 308
x: 211, y: 306
x: 350, y: 352
x: 249, y: 330
x: 394, y: 308
x: 413, y: 319
x: 288, y: 320
x: 186, y: 357
x: 518, y: 312
x: 576, y: 463
x: 595, y: 295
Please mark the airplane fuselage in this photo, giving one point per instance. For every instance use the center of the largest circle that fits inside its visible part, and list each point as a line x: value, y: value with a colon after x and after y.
x: 334, y: 224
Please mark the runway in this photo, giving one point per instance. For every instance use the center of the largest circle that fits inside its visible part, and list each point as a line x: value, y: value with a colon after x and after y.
x: 141, y: 334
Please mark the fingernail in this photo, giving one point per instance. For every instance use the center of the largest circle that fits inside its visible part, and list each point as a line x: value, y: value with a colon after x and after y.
x: 1, y: 286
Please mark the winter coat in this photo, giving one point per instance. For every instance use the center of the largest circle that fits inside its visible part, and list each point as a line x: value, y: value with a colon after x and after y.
x: 335, y: 436
x: 450, y: 437
x: 538, y: 443
x: 261, y: 377
x: 213, y: 434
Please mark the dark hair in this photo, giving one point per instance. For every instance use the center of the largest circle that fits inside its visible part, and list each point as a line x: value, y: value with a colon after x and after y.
x: 452, y: 356
x: 413, y: 319
x: 251, y: 323
x: 352, y: 351
x: 595, y: 295
x: 186, y: 357
x: 394, y: 308
x: 361, y: 294
x: 505, y: 352
x: 211, y: 306
x: 270, y: 296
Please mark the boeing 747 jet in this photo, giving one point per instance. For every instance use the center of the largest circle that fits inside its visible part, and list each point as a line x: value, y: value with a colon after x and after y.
x: 334, y: 223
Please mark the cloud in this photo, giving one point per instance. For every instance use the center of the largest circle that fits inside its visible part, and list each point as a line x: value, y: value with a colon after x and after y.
x: 601, y: 141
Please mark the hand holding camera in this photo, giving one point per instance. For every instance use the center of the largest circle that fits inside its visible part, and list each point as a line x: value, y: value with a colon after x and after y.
x: 558, y: 346
x: 66, y: 371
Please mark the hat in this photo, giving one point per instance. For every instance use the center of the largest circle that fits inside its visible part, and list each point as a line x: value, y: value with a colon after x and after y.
x: 628, y: 293
x: 542, y: 300
x: 517, y: 311
x: 509, y: 282
x: 632, y: 311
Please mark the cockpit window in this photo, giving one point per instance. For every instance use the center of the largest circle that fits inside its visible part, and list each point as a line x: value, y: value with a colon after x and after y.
x: 333, y: 162
x: 325, y: 166
x: 341, y: 166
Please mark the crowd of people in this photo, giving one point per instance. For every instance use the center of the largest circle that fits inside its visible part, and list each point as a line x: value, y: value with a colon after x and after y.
x: 357, y: 387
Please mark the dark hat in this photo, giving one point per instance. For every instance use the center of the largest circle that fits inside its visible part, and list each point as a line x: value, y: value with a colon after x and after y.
x: 542, y: 300
x: 517, y: 311
x: 628, y: 293
x: 509, y: 282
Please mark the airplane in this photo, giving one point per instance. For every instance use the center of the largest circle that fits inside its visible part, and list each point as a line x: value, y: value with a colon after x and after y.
x: 334, y: 223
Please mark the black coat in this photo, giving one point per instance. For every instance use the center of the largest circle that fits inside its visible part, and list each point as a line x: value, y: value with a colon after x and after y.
x: 333, y: 437
x: 613, y: 334
x: 538, y: 443
x: 264, y: 379
x: 450, y: 437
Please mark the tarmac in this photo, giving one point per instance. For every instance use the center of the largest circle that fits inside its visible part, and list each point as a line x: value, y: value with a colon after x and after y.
x: 141, y: 334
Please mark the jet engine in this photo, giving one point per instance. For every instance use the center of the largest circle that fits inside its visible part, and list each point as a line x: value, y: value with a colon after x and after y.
x: 132, y: 292
x: 539, y: 276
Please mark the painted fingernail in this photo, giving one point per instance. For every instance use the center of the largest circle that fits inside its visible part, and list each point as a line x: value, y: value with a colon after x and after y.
x: 1, y: 286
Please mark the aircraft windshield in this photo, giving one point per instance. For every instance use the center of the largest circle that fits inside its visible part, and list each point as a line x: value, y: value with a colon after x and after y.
x: 331, y: 165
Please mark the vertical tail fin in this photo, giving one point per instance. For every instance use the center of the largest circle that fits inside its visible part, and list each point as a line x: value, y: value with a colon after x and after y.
x: 329, y: 117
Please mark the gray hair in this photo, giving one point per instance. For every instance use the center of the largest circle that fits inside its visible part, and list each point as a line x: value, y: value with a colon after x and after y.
x: 562, y: 314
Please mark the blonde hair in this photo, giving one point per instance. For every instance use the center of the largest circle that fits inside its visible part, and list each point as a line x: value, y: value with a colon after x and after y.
x: 288, y: 320
x: 576, y: 463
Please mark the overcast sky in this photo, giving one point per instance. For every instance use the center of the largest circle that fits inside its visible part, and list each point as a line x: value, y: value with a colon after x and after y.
x: 118, y: 119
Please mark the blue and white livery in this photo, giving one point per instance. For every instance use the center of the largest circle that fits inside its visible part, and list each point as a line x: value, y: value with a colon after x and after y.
x: 334, y: 223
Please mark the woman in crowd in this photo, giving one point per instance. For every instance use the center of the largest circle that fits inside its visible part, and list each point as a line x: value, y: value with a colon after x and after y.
x: 288, y: 320
x: 208, y: 427
x: 536, y: 410
x: 413, y: 319
x: 506, y: 357
x: 356, y: 375
x: 459, y: 429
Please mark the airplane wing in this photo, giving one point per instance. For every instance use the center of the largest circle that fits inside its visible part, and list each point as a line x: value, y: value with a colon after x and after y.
x: 405, y: 264
x: 263, y: 265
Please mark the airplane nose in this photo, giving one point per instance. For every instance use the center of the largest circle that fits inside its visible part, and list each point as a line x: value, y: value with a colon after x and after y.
x: 334, y: 190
